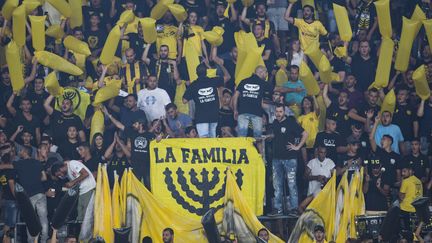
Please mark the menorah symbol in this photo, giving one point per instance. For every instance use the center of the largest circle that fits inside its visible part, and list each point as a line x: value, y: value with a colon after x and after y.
x: 204, y: 186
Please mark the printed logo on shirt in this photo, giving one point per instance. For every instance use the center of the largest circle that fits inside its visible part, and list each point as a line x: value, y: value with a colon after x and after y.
x: 206, y: 95
x: 329, y: 143
x: 140, y: 142
x: 252, y: 87
x: 283, y: 129
x: 205, y: 91
x: 150, y: 100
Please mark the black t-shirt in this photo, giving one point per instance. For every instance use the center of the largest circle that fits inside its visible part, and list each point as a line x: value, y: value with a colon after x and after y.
x: 118, y: 164
x: 29, y: 173
x: 60, y: 123
x: 5, y: 176
x: 268, y: 46
x: 252, y: 91
x: 95, y: 39
x: 391, y: 162
x: 5, y: 93
x: 363, y: 108
x: 28, y: 125
x: 197, y: 7
x: 140, y: 145
x: 419, y: 164
x: 205, y: 95
x: 226, y: 118
x: 374, y: 200
x: 37, y: 101
x: 93, y: 163
x: 103, y: 13
x: 343, y: 121
x: 69, y: 150
x: 329, y: 140
x: 343, y: 160
x: 364, y: 71
x: 404, y: 116
x: 285, y: 132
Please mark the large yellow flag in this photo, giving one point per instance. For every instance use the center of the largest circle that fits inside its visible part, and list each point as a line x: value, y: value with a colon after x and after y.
x: 341, y: 234
x: 237, y: 210
x: 321, y: 211
x: 249, y: 55
x: 102, y: 207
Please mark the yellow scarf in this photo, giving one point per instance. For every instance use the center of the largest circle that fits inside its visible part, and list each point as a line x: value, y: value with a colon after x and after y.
x: 130, y: 81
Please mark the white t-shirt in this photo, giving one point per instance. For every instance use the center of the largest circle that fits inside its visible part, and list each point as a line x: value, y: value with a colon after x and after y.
x: 153, y: 103
x: 297, y: 58
x: 319, y: 168
x: 74, y: 168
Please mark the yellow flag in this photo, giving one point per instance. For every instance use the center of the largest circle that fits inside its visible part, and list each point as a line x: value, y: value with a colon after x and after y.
x: 110, y: 91
x: 343, y: 202
x: 102, y: 207
x: 321, y: 211
x: 249, y: 55
x: 356, y: 201
x: 192, y: 59
x: 308, y: 79
x: 116, y: 204
x: 52, y: 84
x: 80, y: 101
x: 236, y: 209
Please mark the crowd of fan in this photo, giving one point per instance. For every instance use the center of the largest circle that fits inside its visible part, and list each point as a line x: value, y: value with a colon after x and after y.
x: 303, y: 138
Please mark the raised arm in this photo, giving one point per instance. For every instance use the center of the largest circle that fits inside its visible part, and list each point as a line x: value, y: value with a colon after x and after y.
x: 109, y: 151
x: 47, y: 105
x: 420, y: 109
x: 116, y: 123
x: 372, y: 134
x: 327, y: 100
x: 9, y: 105
x: 235, y: 104
x: 144, y: 56
x: 288, y: 13
x: 243, y: 17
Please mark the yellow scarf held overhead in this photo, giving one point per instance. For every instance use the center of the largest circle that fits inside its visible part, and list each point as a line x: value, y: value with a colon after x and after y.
x: 308, y: 79
x: 382, y: 75
x: 97, y: 124
x: 249, y: 55
x: 72, y: 43
x: 76, y: 19
x: 192, y: 59
x: 8, y: 8
x: 342, y: 21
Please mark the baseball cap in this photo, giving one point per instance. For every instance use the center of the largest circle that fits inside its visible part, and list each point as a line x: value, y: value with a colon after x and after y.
x: 352, y: 140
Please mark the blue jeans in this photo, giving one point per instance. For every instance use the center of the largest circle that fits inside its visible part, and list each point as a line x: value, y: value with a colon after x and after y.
x: 39, y: 203
x: 206, y: 130
x: 10, y: 212
x: 282, y: 168
x: 243, y: 124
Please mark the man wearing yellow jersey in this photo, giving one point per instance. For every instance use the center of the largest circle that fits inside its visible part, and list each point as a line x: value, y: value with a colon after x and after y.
x: 411, y: 188
x: 168, y: 34
x: 309, y: 28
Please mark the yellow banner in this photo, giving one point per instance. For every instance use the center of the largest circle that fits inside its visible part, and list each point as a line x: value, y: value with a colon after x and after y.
x: 188, y: 175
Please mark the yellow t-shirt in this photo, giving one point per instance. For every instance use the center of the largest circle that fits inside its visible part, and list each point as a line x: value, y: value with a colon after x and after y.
x: 413, y: 188
x: 196, y: 39
x: 168, y: 37
x: 309, y: 123
x: 309, y: 33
